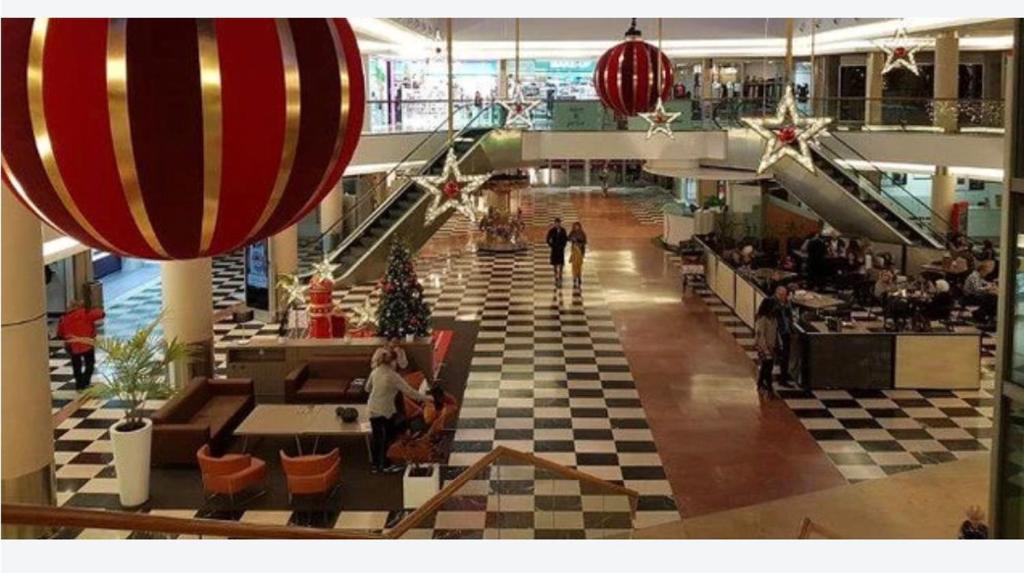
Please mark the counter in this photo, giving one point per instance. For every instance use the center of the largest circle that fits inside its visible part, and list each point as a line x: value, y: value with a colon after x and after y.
x: 862, y: 354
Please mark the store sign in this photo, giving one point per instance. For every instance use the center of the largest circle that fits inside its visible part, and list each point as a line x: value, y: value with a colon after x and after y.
x: 560, y: 66
x: 257, y: 276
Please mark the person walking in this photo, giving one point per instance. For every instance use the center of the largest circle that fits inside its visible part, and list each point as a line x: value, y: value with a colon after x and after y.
x: 77, y: 328
x: 766, y: 341
x: 784, y: 324
x: 383, y: 385
x: 578, y: 240
x: 557, y: 240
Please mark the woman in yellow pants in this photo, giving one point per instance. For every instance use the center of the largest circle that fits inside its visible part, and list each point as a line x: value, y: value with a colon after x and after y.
x: 578, y: 239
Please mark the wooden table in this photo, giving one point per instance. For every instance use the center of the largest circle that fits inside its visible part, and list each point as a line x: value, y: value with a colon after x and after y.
x: 303, y: 420
x: 815, y: 301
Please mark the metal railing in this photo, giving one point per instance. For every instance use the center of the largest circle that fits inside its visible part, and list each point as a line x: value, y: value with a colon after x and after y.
x: 557, y: 114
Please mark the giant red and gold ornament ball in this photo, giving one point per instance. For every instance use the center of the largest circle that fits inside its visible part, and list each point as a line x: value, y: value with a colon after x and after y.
x: 177, y: 138
x: 626, y: 76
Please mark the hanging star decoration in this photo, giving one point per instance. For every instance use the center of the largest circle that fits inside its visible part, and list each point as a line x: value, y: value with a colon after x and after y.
x: 787, y: 134
x: 452, y: 189
x: 324, y: 270
x: 518, y: 109
x: 660, y: 120
x: 294, y: 289
x: 899, y: 53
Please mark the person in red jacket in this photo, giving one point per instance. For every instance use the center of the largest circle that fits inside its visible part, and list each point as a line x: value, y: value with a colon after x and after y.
x: 77, y: 325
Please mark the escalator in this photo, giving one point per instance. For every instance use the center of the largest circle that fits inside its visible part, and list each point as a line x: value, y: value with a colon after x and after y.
x: 851, y: 203
x: 362, y: 254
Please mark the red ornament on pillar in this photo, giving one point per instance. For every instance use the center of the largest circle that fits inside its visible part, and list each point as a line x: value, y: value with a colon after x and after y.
x: 177, y: 138
x: 625, y: 77
x: 319, y: 307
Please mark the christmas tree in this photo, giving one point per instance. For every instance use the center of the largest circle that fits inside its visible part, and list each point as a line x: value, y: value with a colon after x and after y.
x: 401, y: 310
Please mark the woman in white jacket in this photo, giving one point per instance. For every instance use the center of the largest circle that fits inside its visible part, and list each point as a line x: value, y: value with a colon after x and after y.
x: 384, y: 384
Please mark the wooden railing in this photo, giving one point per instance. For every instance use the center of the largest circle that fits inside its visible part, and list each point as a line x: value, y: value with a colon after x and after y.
x: 46, y: 516
x: 55, y: 517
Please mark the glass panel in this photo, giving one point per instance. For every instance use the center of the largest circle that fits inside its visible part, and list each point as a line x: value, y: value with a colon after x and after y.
x: 1016, y: 291
x: 1011, y: 474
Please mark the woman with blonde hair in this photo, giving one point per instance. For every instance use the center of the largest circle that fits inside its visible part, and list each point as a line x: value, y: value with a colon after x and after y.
x: 578, y: 239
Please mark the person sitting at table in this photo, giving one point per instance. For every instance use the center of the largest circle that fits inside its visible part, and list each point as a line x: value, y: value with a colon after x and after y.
x: 855, y: 257
x: 982, y: 293
x: 941, y: 303
x: 383, y: 385
x: 987, y: 252
x: 789, y: 263
x: 988, y: 269
x: 393, y: 345
x: 885, y: 283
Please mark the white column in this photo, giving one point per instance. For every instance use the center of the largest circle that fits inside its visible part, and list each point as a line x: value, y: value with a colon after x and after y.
x: 27, y: 424
x: 331, y: 212
x: 943, y: 197
x: 705, y: 79
x: 188, y: 314
x: 873, y: 88
x: 503, y: 79
x: 284, y: 248
x: 947, y: 81
x: 586, y: 172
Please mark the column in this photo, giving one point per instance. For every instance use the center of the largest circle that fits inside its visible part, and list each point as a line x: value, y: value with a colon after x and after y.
x: 586, y: 172
x: 81, y: 269
x: 188, y: 315
x: 943, y: 197
x: 331, y: 213
x: 284, y: 259
x: 503, y: 79
x: 705, y: 79
x: 706, y: 188
x: 947, y: 81
x: 27, y: 424
x: 873, y: 88
x: 790, y: 70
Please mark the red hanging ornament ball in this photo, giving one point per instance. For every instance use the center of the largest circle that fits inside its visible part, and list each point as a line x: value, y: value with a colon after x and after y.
x: 177, y: 138
x: 625, y: 77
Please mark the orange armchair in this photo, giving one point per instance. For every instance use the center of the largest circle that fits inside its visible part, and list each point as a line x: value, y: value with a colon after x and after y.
x: 230, y: 474
x: 314, y: 474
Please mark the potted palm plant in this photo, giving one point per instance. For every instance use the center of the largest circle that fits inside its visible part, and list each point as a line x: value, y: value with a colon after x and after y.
x: 134, y: 370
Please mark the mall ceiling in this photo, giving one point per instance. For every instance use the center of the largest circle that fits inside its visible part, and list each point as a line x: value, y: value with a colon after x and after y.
x: 683, y: 37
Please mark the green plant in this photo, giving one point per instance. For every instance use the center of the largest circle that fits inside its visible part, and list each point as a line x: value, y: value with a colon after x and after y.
x: 134, y: 370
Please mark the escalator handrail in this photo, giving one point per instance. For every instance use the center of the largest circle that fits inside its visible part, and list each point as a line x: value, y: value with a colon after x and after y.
x: 879, y: 193
x: 885, y: 175
x: 394, y: 169
x: 355, y: 264
x: 384, y: 205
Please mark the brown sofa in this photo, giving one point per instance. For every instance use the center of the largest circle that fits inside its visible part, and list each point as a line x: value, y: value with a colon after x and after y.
x: 328, y: 381
x: 204, y: 412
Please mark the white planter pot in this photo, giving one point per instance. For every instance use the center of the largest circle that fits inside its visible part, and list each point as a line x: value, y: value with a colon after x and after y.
x: 131, y: 459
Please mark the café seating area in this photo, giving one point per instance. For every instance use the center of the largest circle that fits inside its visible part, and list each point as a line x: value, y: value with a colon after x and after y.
x: 862, y: 321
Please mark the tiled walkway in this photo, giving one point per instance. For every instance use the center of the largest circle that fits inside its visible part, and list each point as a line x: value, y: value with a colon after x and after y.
x: 869, y: 434
x: 548, y: 375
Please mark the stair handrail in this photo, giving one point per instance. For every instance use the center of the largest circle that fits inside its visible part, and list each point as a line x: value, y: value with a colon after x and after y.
x: 49, y: 516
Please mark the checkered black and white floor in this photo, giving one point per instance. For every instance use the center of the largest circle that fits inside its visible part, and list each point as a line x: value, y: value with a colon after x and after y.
x: 548, y: 376
x: 870, y: 434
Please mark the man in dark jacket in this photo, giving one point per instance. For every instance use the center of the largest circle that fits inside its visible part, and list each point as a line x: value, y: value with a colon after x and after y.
x: 557, y: 239
x: 784, y: 326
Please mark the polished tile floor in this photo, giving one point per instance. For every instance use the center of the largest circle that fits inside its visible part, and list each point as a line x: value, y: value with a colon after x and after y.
x: 628, y: 380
